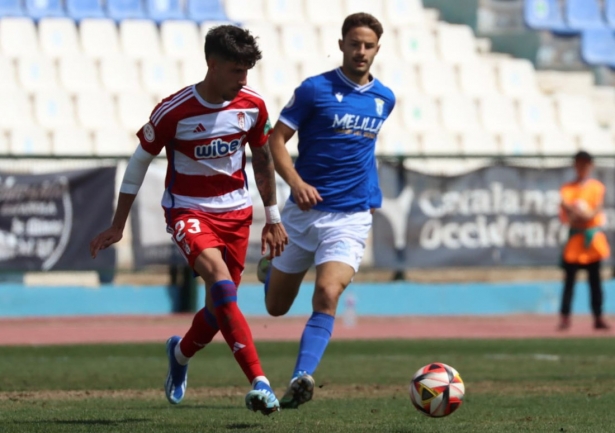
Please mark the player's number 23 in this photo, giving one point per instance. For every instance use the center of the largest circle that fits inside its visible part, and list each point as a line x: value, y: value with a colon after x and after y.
x: 195, y: 227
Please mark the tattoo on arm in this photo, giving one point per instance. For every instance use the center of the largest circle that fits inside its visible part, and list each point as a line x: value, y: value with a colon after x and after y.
x: 264, y: 174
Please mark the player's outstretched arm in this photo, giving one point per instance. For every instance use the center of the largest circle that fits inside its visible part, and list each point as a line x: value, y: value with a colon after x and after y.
x: 274, y: 235
x: 304, y: 195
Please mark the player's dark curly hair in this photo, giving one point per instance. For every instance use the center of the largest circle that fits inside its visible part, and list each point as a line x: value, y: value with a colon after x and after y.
x: 233, y: 44
x: 362, y: 19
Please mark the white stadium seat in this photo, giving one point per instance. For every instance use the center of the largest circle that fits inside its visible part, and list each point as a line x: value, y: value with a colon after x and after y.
x: 440, y: 143
x: 4, y: 144
x: 402, y: 13
x: 280, y: 77
x: 575, y: 113
x: 477, y: 79
x: 36, y: 73
x: 120, y: 74
x: 517, y: 77
x: 54, y: 109
x: 33, y: 140
x: 99, y: 38
x: 8, y: 75
x: 437, y: 78
x: 283, y: 11
x: 15, y: 110
x: 58, y: 37
x: 479, y: 143
x: 268, y: 39
x: 497, y: 114
x: 134, y: 110
x: 114, y: 141
x: 193, y: 69
x: 78, y: 74
x: 160, y: 76
x: 72, y: 141
x: 459, y: 113
x: 299, y: 42
x: 374, y: 7
x: 416, y: 45
x: 419, y: 113
x: 558, y: 143
x: 389, y: 47
x: 599, y: 141
x: 400, y: 77
x: 537, y: 114
x: 334, y: 15
x: 96, y: 110
x: 18, y: 29
x: 139, y: 39
x: 309, y: 68
x: 328, y: 45
x: 241, y: 11
x: 519, y: 143
x: 456, y: 43
x: 398, y: 143
x: 206, y: 26
x: 181, y: 39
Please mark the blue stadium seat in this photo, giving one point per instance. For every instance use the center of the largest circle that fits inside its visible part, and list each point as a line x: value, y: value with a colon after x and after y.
x: 211, y: 10
x: 125, y: 9
x: 10, y: 8
x: 81, y: 9
x: 162, y: 10
x: 584, y: 14
x: 545, y: 15
x: 37, y: 9
x: 598, y: 47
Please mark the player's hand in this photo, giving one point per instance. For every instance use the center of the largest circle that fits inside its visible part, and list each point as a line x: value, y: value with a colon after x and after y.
x: 274, y: 236
x: 104, y: 240
x: 306, y: 196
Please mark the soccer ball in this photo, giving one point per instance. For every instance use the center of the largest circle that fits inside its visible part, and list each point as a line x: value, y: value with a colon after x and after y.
x: 437, y: 390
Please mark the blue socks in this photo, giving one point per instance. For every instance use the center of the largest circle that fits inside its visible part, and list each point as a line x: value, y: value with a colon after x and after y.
x: 314, y: 340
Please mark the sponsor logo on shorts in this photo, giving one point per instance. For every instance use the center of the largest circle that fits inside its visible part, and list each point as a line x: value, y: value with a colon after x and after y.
x: 218, y: 148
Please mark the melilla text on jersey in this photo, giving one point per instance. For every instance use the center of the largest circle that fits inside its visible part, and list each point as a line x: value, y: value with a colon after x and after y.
x: 357, y: 125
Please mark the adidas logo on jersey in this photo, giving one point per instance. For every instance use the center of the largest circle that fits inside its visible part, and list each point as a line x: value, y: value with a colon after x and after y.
x: 217, y: 148
x: 199, y: 128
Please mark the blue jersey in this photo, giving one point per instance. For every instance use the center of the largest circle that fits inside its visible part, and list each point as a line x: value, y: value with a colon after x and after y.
x: 338, y: 122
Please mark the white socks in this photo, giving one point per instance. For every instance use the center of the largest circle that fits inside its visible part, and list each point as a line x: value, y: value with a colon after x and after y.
x: 259, y: 379
x: 180, y: 357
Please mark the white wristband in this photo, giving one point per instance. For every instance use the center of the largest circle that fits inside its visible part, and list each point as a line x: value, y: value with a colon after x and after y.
x: 272, y: 214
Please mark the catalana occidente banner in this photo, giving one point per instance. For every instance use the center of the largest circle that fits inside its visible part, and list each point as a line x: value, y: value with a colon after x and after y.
x: 497, y: 215
x: 48, y: 220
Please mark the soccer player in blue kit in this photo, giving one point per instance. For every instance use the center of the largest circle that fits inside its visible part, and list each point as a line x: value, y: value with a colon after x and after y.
x: 334, y: 189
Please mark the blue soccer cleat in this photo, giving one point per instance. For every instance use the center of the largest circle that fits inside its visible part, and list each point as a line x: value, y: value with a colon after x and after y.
x: 177, y: 377
x: 300, y: 390
x: 262, y: 399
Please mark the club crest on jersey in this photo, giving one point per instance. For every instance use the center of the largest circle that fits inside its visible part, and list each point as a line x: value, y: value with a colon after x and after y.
x: 379, y: 106
x: 217, y: 148
x: 241, y: 120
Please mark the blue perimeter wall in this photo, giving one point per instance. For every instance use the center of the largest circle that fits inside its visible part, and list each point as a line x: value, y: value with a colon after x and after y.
x: 383, y: 299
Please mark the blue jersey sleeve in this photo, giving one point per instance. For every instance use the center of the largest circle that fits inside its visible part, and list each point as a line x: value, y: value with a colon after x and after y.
x: 300, y: 106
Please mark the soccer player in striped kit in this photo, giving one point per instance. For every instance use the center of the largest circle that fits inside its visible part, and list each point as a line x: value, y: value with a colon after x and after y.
x: 204, y: 129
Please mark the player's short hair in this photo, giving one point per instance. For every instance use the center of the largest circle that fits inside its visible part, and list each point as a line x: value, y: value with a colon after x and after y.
x: 583, y: 156
x: 232, y: 43
x: 362, y: 19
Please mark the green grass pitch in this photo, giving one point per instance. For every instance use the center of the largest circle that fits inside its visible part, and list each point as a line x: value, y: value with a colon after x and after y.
x: 563, y: 385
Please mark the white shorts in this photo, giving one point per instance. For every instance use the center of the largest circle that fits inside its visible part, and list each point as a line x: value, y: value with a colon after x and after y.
x: 316, y: 237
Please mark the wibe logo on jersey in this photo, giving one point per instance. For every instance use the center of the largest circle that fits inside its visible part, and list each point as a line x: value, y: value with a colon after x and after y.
x: 217, y: 148
x: 357, y: 123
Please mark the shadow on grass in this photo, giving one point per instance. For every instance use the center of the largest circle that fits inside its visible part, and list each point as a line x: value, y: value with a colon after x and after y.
x: 107, y: 422
x: 243, y: 426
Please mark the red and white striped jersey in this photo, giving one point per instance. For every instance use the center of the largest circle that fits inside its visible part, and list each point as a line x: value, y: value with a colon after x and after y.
x: 205, y: 147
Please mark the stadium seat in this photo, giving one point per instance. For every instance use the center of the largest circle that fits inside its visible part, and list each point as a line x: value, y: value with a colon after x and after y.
x: 37, y: 9
x: 401, y: 78
x: 119, y: 74
x: 419, y: 113
x: 99, y: 38
x: 402, y: 13
x: 114, y: 141
x: 584, y: 14
x: 241, y: 11
x: 210, y: 10
x: 36, y: 73
x: 280, y: 77
x: 477, y: 79
x: 160, y: 77
x: 180, y: 39
x: 537, y: 114
x: 268, y: 39
x: 575, y: 113
x: 609, y: 12
x: 83, y: 9
x: 557, y: 143
x: 15, y: 110
x: 18, y: 29
x: 459, y: 114
x: 72, y: 141
x: 54, y: 109
x: 78, y: 74
x: 4, y: 144
x: 599, y: 142
x: 456, y: 43
x: 416, y: 45
x: 334, y: 16
x: 283, y: 11
x: 374, y: 7
x: 58, y: 37
x: 11, y: 8
x: 163, y: 10
x: 389, y: 47
x: 96, y: 110
x: 299, y: 42
x: 309, y: 68
x: 497, y: 114
x: 33, y: 140
x: 519, y: 143
x: 193, y: 69
x: 134, y: 110
x: 328, y: 37
x: 139, y: 39
x: 120, y: 10
x: 479, y: 143
x: 544, y: 15
x: 208, y: 25
x: 440, y: 143
x: 437, y: 78
x: 517, y: 77
x: 8, y: 76
x: 598, y: 47
x: 254, y: 79
x: 398, y: 143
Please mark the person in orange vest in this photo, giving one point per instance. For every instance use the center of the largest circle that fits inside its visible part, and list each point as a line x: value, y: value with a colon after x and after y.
x: 582, y: 209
